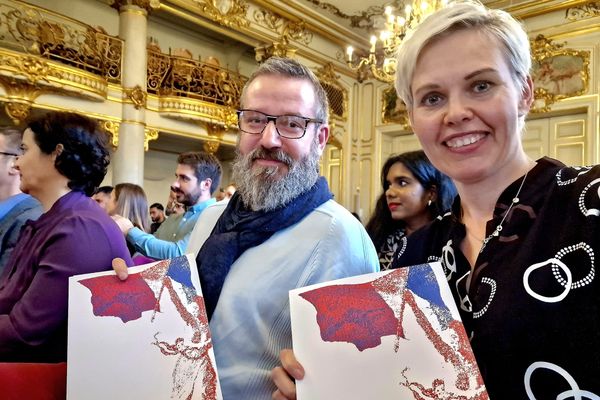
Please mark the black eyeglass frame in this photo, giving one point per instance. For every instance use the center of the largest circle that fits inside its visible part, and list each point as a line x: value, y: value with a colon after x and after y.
x: 274, y: 119
x: 9, y: 154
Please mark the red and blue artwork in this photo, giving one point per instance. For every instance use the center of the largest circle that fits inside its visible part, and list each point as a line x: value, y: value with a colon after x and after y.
x: 149, y: 299
x: 364, y: 314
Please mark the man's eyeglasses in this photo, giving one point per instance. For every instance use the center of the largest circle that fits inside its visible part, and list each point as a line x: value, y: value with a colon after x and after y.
x: 9, y: 154
x: 287, y: 126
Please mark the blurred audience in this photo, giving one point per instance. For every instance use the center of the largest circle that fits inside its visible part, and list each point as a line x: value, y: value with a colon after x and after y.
x: 157, y: 215
x: 64, y: 158
x: 16, y: 207
x: 102, y: 196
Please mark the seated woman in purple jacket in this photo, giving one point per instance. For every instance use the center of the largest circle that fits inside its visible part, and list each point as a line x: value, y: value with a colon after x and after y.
x: 64, y: 159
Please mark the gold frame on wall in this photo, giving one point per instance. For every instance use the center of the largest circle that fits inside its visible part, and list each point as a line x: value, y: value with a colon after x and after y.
x: 393, y: 110
x: 557, y: 73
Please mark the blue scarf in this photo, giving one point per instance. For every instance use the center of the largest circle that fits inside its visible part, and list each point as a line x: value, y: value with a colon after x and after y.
x: 239, y: 229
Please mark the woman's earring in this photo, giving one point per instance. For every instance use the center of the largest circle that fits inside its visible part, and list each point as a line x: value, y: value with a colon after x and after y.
x: 429, y: 203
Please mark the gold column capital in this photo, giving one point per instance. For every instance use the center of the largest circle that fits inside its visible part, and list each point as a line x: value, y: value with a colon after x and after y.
x: 147, y: 5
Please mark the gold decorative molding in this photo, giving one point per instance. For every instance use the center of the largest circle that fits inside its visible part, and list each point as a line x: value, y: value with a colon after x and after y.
x: 112, y: 127
x: 362, y: 20
x: 211, y: 146
x: 558, y: 73
x: 287, y: 30
x: 588, y: 10
x: 229, y: 13
x: 137, y: 95
x: 215, y: 130
x: 194, y: 110
x: 337, y: 94
x: 149, y: 134
x: 147, y: 5
x: 20, y: 96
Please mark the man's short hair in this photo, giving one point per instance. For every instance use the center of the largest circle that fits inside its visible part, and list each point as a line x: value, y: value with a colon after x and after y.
x: 104, y: 189
x: 158, y: 205
x: 205, y: 165
x: 12, y: 137
x: 293, y: 69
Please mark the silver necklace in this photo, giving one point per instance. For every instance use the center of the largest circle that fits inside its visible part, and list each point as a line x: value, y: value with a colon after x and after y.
x: 498, y: 229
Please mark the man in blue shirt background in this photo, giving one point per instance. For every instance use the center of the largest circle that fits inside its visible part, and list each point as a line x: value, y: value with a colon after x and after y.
x: 15, y: 207
x: 197, y: 176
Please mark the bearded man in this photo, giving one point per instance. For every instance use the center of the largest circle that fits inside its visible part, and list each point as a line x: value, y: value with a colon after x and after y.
x: 196, y: 178
x: 281, y: 229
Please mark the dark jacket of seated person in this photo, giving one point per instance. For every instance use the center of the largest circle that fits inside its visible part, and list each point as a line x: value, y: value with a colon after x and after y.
x: 73, y: 236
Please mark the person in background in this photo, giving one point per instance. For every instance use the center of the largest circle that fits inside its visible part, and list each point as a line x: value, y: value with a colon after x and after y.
x: 414, y: 193
x: 102, y: 196
x: 196, y: 177
x: 64, y: 158
x: 16, y: 207
x: 173, y: 206
x: 520, y: 245
x: 129, y: 200
x: 157, y: 215
x: 229, y: 191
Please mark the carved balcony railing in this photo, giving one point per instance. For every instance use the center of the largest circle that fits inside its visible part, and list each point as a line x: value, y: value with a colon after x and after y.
x: 41, y: 33
x: 193, y: 89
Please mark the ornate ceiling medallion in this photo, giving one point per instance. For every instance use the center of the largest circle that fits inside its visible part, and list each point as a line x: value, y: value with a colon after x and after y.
x: 228, y: 13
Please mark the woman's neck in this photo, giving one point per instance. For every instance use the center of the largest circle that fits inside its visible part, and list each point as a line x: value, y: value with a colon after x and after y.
x: 51, y: 193
x: 478, y: 199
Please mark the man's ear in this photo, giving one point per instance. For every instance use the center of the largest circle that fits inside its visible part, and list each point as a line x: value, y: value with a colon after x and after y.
x: 206, y: 184
x: 527, y: 97
x: 323, y: 136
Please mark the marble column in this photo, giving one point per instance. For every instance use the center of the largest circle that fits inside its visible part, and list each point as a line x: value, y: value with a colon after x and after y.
x: 128, y: 160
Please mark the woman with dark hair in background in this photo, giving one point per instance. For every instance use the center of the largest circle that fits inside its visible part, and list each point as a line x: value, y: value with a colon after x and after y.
x: 414, y: 193
x: 64, y: 159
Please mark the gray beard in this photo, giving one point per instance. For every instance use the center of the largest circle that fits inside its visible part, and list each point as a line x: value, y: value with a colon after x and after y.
x: 261, y: 189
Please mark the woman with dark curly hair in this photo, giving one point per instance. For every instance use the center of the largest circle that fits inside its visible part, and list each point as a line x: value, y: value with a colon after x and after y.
x: 414, y: 193
x: 64, y: 159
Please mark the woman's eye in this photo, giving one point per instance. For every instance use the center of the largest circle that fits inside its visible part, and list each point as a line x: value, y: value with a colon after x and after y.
x: 431, y: 99
x: 481, y: 86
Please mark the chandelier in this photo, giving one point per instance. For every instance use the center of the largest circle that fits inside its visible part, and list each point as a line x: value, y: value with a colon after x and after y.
x: 381, y: 60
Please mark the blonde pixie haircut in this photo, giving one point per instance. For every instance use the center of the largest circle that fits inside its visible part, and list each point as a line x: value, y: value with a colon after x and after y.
x: 458, y: 16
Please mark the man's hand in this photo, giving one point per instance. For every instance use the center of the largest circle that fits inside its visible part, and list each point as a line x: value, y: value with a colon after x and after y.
x: 282, y: 376
x: 124, y: 224
x: 120, y: 268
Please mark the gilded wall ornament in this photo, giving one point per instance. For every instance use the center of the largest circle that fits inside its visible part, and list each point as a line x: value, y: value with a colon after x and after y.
x: 149, y: 134
x: 228, y: 13
x: 393, y: 110
x: 32, y: 68
x: 137, y: 95
x: 558, y: 73
x: 112, y: 127
x: 288, y: 30
x: 17, y: 111
x: 587, y: 10
x: 215, y: 130
x: 211, y: 146
x: 21, y: 96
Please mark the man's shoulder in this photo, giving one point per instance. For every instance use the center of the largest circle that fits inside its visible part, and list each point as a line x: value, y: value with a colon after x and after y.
x: 28, y: 208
